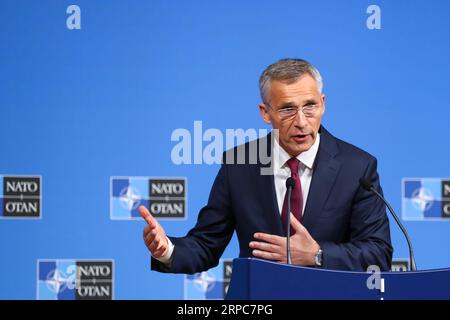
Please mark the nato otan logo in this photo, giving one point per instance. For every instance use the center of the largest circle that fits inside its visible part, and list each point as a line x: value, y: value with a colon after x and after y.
x: 164, y: 197
x: 425, y: 199
x: 20, y: 196
x: 400, y: 265
x: 65, y: 279
x: 209, y: 285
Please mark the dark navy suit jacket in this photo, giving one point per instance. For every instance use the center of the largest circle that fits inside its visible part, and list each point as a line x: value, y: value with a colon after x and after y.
x: 349, y: 223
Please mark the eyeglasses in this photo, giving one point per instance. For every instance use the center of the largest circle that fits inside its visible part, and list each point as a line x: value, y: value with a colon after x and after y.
x: 288, y: 113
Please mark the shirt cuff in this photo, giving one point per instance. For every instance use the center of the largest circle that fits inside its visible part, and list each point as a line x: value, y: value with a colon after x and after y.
x: 167, y: 258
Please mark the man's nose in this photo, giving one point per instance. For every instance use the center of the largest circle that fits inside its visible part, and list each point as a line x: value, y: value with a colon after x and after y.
x: 300, y: 119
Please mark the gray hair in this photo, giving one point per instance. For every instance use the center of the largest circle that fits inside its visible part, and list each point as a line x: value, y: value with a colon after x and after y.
x: 289, y: 71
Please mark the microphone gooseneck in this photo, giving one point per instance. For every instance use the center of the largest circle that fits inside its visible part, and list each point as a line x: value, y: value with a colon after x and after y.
x: 366, y: 185
x: 290, y: 185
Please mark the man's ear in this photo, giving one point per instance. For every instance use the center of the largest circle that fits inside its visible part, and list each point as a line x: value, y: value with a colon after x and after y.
x: 323, y: 103
x: 264, y: 114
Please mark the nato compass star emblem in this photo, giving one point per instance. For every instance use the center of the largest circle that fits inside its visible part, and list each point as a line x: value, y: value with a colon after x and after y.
x: 204, y: 281
x: 422, y: 199
x: 209, y: 284
x: 57, y: 281
x: 129, y: 198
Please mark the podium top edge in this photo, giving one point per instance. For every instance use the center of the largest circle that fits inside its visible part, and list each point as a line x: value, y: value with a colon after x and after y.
x: 284, y: 265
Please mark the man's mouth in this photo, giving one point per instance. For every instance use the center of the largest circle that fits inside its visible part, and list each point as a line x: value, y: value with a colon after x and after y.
x: 299, y: 138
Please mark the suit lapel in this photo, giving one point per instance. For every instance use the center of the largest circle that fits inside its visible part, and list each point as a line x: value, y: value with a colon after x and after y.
x: 326, y: 169
x: 267, y: 192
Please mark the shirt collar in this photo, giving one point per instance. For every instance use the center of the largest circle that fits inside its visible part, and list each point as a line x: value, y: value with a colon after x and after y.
x: 306, y: 157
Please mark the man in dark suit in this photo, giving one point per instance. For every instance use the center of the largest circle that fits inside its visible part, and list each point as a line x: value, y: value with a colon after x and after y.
x: 336, y: 224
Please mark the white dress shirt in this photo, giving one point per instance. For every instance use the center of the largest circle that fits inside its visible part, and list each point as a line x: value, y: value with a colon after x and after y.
x: 282, y: 170
x: 281, y: 173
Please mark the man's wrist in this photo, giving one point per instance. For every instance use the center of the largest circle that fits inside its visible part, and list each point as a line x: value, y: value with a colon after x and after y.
x: 167, y: 257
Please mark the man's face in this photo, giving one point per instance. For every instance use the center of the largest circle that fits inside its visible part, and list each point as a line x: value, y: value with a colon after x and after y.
x: 298, y: 132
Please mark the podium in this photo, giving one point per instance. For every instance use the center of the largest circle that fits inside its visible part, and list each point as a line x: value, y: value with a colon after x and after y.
x: 255, y: 279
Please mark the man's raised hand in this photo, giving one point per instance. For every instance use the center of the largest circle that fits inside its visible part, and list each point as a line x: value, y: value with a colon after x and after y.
x: 154, y: 235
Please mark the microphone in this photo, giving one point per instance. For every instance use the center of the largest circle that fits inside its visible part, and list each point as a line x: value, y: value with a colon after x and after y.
x: 290, y: 185
x: 366, y: 185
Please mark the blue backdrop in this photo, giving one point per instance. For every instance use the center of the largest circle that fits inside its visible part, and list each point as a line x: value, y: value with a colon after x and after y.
x: 80, y: 106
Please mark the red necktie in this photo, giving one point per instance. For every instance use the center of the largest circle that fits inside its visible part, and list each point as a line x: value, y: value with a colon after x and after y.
x: 296, y: 195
